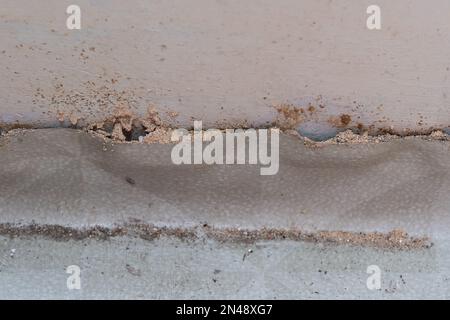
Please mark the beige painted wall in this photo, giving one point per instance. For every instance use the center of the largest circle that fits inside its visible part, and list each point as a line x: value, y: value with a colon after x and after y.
x: 227, y: 60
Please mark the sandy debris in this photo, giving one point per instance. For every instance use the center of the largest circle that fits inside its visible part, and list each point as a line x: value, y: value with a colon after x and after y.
x: 152, y: 121
x: 439, y: 135
x: 394, y: 240
x: 126, y: 126
x: 60, y: 116
x: 159, y: 135
x: 173, y: 114
x: 124, y: 116
x: 349, y: 137
x: 117, y: 133
x: 74, y: 119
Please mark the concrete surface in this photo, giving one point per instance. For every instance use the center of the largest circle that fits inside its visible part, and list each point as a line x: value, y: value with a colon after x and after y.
x: 227, y: 61
x: 64, y: 176
x: 69, y: 178
x: 125, y: 268
x: 68, y: 198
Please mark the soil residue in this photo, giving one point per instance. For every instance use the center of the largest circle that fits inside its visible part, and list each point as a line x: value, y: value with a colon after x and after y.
x: 396, y: 239
x: 289, y: 116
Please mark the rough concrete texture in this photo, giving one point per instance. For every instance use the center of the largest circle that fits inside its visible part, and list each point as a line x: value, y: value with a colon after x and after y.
x: 70, y: 178
x: 169, y: 268
x: 227, y: 61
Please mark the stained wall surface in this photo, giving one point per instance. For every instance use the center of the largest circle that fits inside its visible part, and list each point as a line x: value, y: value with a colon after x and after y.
x: 228, y: 62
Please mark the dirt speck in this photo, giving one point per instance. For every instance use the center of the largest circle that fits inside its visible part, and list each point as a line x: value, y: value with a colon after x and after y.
x: 289, y: 116
x: 345, y: 119
x: 311, y: 109
x: 133, y: 271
